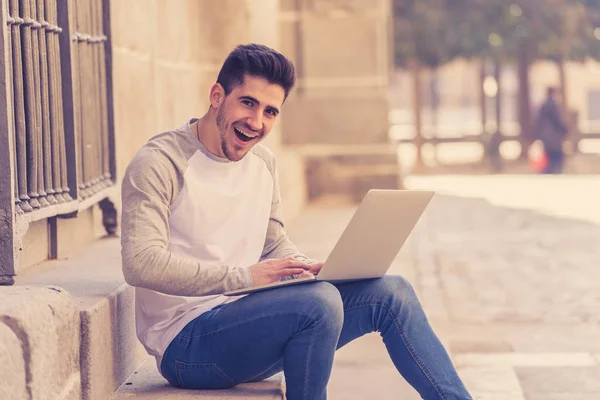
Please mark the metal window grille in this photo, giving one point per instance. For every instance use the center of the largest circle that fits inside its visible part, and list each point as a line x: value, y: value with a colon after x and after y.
x: 56, y: 117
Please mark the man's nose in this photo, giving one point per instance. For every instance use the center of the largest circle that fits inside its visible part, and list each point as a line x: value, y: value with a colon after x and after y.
x: 255, y: 122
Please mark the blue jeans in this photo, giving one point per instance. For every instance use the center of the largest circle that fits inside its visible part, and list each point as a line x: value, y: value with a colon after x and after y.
x: 297, y: 329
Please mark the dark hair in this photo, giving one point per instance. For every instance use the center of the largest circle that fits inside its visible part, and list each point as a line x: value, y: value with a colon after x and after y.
x: 551, y: 90
x: 260, y: 61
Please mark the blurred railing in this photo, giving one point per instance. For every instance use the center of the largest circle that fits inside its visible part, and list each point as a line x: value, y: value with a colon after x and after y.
x: 58, y: 123
x: 402, y: 131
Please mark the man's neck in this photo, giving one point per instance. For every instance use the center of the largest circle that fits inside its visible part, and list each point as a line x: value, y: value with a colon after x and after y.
x: 207, y: 133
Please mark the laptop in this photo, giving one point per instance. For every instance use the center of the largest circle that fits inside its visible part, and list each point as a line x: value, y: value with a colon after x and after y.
x: 370, y: 242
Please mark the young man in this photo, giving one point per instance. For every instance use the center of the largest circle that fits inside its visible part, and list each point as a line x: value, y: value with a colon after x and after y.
x: 202, y: 215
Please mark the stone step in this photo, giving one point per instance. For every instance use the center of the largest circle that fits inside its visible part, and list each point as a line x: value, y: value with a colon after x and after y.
x: 107, y: 345
x: 147, y: 384
x: 39, y: 348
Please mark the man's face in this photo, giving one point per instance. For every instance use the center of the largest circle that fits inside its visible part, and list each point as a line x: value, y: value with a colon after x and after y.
x: 247, y: 115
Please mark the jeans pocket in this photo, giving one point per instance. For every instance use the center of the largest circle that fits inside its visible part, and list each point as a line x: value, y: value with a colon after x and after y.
x: 202, y: 376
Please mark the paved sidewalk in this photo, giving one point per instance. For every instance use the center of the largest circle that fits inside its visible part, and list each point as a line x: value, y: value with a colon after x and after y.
x: 513, y: 293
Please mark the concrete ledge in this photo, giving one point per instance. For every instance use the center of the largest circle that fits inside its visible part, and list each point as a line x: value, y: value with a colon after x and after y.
x: 108, y: 348
x: 147, y: 384
x: 39, y: 346
x: 341, y: 172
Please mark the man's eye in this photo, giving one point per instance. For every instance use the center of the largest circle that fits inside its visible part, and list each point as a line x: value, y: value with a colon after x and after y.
x: 272, y: 113
x: 247, y: 103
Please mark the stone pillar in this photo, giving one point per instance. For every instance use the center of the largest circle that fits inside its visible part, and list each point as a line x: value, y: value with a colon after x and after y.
x: 338, y: 115
x: 264, y: 29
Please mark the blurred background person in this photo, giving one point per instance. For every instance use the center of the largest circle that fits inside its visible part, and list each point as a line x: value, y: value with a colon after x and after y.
x: 551, y: 130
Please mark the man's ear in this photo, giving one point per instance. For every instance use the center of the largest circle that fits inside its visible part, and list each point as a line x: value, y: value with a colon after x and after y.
x: 217, y: 95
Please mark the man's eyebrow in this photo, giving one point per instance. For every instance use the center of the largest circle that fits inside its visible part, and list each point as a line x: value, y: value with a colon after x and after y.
x: 252, y: 99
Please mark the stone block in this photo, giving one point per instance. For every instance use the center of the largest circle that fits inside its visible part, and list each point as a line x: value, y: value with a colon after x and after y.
x: 148, y: 384
x: 108, y: 349
x: 133, y: 22
x: 181, y: 92
x: 358, y: 31
x: 335, y: 120
x: 355, y: 40
x: 341, y: 95
x: 200, y: 31
x: 177, y: 40
x: 263, y: 15
x: 39, y: 344
x: 574, y: 395
x: 288, y: 39
x: 350, y: 171
x: 559, y: 379
x: 287, y: 5
x: 134, y: 104
x: 12, y: 364
x: 35, y: 245
x: 76, y: 233
x: 546, y: 360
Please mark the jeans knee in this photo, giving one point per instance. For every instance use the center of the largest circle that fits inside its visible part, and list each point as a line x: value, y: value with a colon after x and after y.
x: 324, y: 303
x: 401, y: 290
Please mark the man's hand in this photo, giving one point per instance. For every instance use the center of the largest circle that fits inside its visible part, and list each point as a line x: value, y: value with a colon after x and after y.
x: 315, y: 268
x: 270, y: 271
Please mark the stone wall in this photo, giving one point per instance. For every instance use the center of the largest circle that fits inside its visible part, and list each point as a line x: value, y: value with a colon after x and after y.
x: 338, y: 115
x: 167, y: 56
x: 341, y: 49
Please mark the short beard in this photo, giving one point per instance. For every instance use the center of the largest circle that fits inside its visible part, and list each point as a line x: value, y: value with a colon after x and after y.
x: 223, y: 128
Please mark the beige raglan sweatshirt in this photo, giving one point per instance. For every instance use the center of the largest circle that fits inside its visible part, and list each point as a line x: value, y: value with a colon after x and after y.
x: 192, y: 224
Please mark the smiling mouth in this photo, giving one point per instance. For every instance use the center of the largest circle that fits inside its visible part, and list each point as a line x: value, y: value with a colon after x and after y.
x: 243, y: 136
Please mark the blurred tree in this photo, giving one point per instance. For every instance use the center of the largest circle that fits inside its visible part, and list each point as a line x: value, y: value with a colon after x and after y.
x: 556, y: 30
x: 419, y: 29
x: 432, y: 32
x: 576, y: 38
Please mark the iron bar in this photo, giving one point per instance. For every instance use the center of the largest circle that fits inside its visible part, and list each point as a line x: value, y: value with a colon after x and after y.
x: 83, y: 97
x: 30, y: 113
x: 107, y: 79
x: 10, y: 120
x: 63, y: 13
x: 55, y: 100
x: 35, y: 44
x: 45, y: 102
x: 95, y: 131
x: 19, y: 108
x: 62, y: 156
x: 103, y: 96
x: 8, y: 248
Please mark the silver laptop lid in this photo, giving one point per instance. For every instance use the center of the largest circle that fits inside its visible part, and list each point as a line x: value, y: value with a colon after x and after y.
x: 375, y: 234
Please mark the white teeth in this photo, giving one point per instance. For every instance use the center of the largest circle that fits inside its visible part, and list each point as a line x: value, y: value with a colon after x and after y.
x: 244, y: 133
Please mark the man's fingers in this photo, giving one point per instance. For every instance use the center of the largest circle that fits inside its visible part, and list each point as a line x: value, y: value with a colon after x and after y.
x: 295, y: 264
x: 290, y: 271
x: 316, y: 268
x: 305, y: 274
